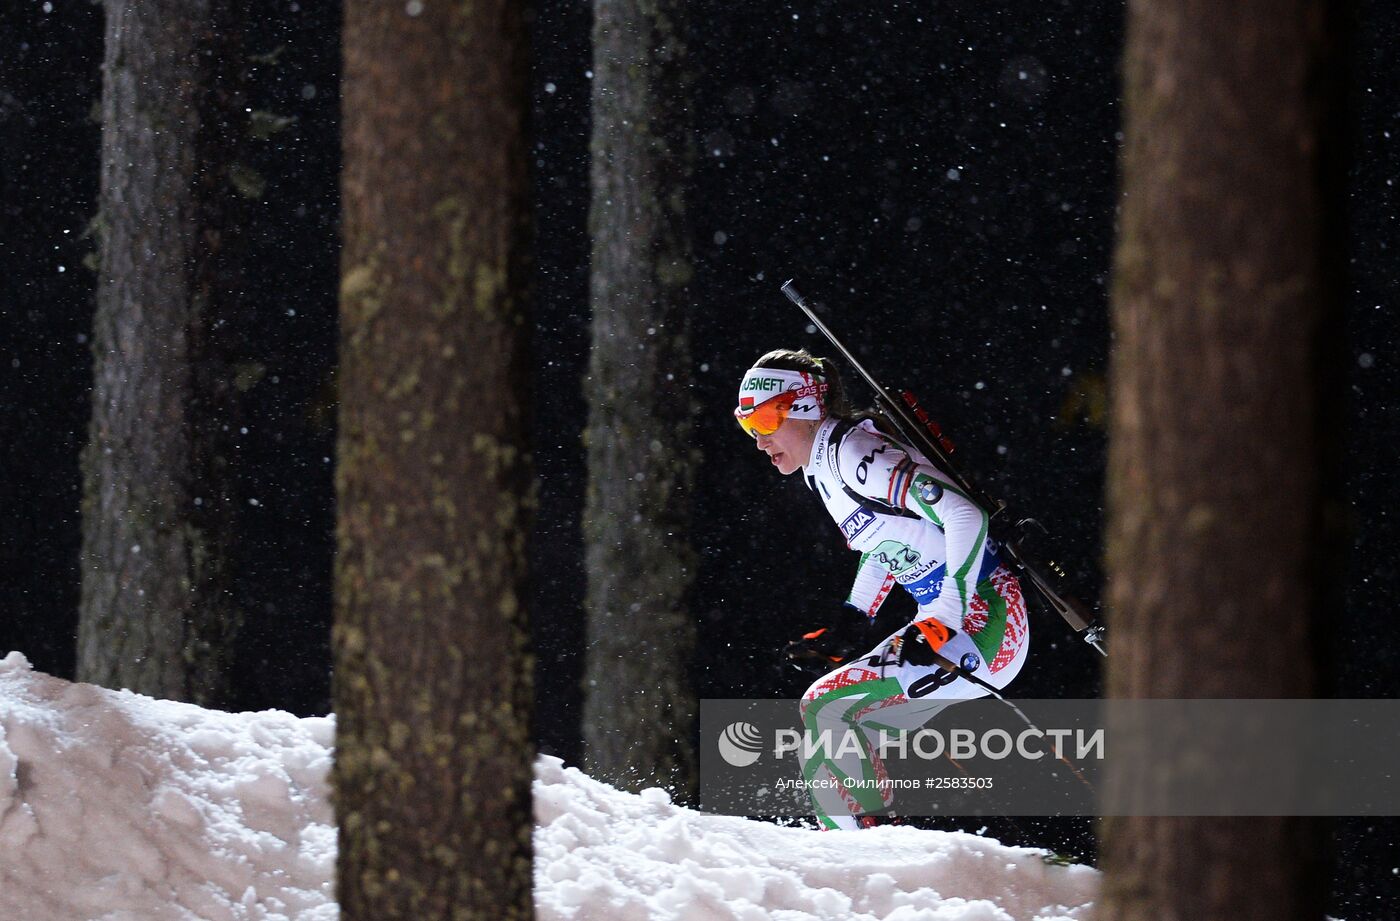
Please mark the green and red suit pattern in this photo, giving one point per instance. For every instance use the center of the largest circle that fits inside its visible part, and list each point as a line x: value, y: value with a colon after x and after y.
x: 913, y: 527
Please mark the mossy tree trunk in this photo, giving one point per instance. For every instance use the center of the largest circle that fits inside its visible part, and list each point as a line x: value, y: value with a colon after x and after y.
x: 160, y: 502
x: 1222, y: 544
x: 432, y: 682
x: 639, y: 708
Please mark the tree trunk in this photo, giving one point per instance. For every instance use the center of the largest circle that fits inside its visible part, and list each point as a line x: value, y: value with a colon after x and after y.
x: 639, y: 709
x: 159, y: 506
x: 1222, y: 541
x: 432, y: 683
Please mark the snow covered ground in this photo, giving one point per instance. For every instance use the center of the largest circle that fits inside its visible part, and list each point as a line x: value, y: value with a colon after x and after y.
x: 119, y: 807
x: 126, y: 808
x: 602, y: 854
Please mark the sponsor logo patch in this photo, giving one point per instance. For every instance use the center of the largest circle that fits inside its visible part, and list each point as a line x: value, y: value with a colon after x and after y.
x: 925, y: 582
x: 899, y: 559
x: 863, y: 470
x: 856, y: 522
x: 970, y: 662
x: 763, y: 384
x: 929, y: 490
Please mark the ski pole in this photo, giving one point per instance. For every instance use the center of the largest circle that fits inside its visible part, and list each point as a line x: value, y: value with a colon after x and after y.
x: 948, y: 665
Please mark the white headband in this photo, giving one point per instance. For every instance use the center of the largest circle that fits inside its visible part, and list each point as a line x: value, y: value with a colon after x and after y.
x: 760, y: 384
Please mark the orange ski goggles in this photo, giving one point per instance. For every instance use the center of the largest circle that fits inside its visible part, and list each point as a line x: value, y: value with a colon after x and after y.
x: 764, y: 418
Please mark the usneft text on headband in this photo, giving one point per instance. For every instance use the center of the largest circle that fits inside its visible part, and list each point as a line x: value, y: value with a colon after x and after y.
x: 931, y: 744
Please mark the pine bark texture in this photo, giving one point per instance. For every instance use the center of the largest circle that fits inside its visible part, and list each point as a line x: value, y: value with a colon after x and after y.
x: 639, y: 707
x: 160, y: 504
x: 433, y: 676
x: 1222, y: 540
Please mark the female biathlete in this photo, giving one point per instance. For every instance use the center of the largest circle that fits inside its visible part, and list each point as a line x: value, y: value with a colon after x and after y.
x: 911, y: 526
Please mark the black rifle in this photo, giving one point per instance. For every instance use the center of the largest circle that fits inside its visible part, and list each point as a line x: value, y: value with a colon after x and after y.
x: 914, y: 424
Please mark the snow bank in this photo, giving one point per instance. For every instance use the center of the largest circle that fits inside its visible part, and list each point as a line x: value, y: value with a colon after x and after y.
x: 117, y: 807
x: 602, y: 854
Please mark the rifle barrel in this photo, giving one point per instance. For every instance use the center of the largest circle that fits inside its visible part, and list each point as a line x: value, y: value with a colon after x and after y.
x: 801, y: 303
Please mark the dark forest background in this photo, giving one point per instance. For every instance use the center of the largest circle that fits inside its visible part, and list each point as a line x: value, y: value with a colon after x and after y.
x: 940, y: 175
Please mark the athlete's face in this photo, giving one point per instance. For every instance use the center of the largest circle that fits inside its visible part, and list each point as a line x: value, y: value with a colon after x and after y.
x: 791, y: 445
